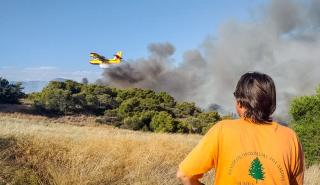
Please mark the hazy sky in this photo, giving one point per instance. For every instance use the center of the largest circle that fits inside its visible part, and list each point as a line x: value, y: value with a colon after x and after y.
x: 42, y: 39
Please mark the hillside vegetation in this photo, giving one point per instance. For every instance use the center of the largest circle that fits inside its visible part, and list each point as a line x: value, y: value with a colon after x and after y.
x: 132, y: 108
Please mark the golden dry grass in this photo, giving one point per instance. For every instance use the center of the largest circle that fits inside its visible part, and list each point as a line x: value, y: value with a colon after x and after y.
x: 69, y: 154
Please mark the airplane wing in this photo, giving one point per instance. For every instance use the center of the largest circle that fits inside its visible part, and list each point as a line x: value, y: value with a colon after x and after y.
x: 97, y: 59
x: 97, y: 56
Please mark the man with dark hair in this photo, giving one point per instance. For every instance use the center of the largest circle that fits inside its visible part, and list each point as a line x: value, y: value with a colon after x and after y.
x: 251, y: 150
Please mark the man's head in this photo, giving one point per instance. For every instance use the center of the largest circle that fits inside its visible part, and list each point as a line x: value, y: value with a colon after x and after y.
x: 256, y: 97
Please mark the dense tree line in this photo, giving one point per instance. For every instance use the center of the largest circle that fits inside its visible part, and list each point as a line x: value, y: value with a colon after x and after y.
x: 10, y: 93
x: 305, y: 111
x: 131, y: 108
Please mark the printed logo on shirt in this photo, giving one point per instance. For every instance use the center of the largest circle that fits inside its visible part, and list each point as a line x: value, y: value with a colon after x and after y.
x: 256, y: 170
x: 256, y: 163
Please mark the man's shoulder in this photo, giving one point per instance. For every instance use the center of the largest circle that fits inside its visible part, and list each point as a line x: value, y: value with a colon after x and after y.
x: 226, y: 124
x: 229, y: 122
x: 285, y: 129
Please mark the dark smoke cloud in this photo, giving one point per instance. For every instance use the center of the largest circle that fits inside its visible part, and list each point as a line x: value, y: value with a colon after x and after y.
x: 161, y: 50
x: 282, y: 42
x: 159, y: 73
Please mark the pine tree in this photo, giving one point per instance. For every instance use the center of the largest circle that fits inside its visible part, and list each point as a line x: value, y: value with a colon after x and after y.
x: 256, y: 170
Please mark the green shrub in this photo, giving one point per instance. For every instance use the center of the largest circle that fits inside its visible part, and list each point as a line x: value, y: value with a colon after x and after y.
x: 162, y: 122
x: 305, y: 108
x: 185, y: 109
x: 305, y: 112
x: 195, y: 125
x: 72, y: 97
x: 208, y: 119
x: 202, y: 122
x: 98, y: 98
x: 309, y: 135
x: 59, y: 98
x: 133, y: 123
x: 129, y: 106
x: 182, y: 126
x: 166, y: 100
x: 149, y: 104
x: 146, y: 118
x: 10, y: 93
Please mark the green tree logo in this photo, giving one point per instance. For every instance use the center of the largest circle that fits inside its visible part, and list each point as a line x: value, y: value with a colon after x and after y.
x: 256, y: 170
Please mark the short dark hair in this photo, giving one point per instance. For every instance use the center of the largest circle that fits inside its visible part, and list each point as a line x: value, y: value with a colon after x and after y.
x: 257, y: 93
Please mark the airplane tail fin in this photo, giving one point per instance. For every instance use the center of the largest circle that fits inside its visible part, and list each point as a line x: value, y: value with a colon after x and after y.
x: 118, y: 55
x: 117, y: 58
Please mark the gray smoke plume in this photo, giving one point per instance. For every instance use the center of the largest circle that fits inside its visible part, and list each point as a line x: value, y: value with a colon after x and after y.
x: 283, y: 40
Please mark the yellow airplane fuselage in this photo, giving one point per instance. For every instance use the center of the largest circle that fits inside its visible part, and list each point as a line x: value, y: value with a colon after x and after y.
x: 109, y: 61
x: 95, y: 62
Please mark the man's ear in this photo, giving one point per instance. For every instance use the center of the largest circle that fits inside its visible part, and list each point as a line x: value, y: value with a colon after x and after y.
x: 239, y: 104
x: 240, y: 108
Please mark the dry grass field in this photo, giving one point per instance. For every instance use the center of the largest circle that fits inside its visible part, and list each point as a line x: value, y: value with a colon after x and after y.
x: 37, y: 150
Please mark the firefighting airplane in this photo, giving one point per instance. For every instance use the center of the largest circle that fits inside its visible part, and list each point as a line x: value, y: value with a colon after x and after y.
x: 103, y: 62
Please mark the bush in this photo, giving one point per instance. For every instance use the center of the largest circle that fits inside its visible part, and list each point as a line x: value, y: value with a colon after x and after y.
x: 182, y: 126
x: 305, y: 112
x: 208, y: 119
x: 202, y: 122
x: 129, y: 106
x: 146, y: 118
x: 72, y: 97
x: 309, y: 135
x: 194, y: 124
x: 57, y: 101
x: 166, y: 100
x: 10, y: 93
x: 185, y: 109
x: 98, y: 98
x: 305, y: 108
x: 133, y: 123
x: 162, y: 122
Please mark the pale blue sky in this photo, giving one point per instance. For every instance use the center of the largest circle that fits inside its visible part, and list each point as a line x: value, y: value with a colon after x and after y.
x: 45, y: 39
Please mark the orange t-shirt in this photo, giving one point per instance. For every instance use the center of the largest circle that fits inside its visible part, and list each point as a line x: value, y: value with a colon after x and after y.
x: 245, y: 153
